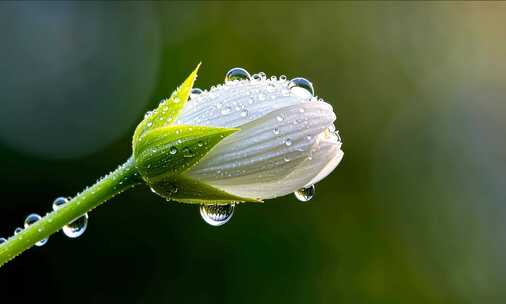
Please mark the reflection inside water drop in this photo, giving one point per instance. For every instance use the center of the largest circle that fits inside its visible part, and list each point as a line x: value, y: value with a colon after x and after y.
x: 237, y: 74
x: 77, y: 227
x: 217, y: 215
x: 30, y: 220
x: 195, y: 92
x: 305, y: 194
x: 301, y: 87
x: 2, y: 240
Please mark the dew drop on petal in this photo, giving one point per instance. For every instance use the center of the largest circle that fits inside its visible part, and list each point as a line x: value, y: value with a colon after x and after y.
x: 305, y: 194
x: 30, y: 220
x: 275, y: 131
x: 226, y: 111
x: 301, y: 87
x: 244, y: 113
x: 288, y: 142
x: 237, y: 74
x: 77, y: 227
x: 17, y: 230
x: 173, y: 150
x: 279, y: 118
x: 195, y: 92
x: 2, y: 240
x: 217, y: 215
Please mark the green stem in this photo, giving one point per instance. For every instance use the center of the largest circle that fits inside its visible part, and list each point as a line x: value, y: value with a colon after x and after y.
x: 121, y: 179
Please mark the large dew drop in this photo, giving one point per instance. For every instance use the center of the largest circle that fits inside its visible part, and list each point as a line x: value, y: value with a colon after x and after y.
x: 30, y: 220
x: 217, y: 215
x: 301, y: 87
x: 195, y: 92
x: 75, y: 228
x: 237, y: 74
x: 305, y: 194
x: 2, y: 240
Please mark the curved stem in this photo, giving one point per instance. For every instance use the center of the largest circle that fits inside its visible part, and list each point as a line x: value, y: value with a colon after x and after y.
x: 119, y: 180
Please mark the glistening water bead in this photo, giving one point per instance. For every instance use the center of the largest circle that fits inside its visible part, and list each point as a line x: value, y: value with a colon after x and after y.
x: 2, y: 240
x: 237, y: 74
x: 75, y: 228
x: 195, y: 92
x: 30, y: 220
x: 305, y: 194
x: 217, y: 215
x: 301, y: 87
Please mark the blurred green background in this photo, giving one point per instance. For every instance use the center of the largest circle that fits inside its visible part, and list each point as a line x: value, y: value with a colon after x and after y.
x: 414, y: 213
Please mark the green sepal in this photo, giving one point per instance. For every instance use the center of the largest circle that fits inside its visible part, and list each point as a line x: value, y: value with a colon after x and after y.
x: 187, y: 190
x: 171, y: 150
x: 168, y: 109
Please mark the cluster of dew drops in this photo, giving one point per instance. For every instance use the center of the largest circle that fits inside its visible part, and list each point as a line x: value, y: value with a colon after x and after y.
x: 74, y: 229
x: 217, y: 215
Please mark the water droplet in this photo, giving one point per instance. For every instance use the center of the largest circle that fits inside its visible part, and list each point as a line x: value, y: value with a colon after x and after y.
x: 176, y: 99
x: 187, y: 152
x: 77, y: 227
x: 244, y: 113
x: 301, y: 87
x: 279, y: 118
x: 195, y: 92
x: 288, y: 142
x: 237, y: 74
x: 262, y: 75
x: 226, y: 111
x: 275, y: 131
x: 217, y: 215
x: 286, y: 159
x: 30, y: 220
x: 305, y: 194
x: 149, y: 124
x: 173, y: 150
x: 282, y: 77
x: 2, y: 240
x: 17, y: 230
x: 59, y: 202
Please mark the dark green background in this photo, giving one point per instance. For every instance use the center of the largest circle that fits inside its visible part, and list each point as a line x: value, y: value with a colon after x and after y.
x: 413, y: 214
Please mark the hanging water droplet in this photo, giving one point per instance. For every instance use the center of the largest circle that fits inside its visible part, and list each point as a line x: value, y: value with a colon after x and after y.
x: 217, y: 215
x: 2, y: 240
x: 195, y: 92
x: 275, y: 131
x: 77, y: 227
x: 59, y: 202
x: 173, y: 150
x: 237, y: 74
x: 305, y: 194
x: 301, y: 87
x: 288, y: 142
x: 30, y: 220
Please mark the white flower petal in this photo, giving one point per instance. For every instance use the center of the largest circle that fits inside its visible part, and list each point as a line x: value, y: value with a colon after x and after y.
x: 324, y: 154
x: 257, y: 161
x: 238, y: 102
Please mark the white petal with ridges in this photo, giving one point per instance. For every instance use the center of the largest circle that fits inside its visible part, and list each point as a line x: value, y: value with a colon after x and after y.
x: 257, y: 162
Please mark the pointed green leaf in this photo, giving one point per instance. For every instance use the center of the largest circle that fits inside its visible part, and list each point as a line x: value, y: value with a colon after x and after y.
x: 171, y: 150
x: 186, y: 190
x: 168, y: 109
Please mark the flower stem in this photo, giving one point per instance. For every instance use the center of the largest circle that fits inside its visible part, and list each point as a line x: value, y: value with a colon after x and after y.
x: 121, y: 179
